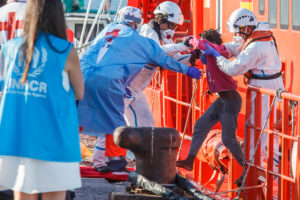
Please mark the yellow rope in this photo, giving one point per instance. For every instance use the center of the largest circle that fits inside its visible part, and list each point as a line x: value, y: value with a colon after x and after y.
x: 187, y: 117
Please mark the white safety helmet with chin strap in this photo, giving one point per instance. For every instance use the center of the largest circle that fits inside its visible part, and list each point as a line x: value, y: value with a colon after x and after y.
x: 172, y: 12
x: 130, y: 14
x: 240, y: 18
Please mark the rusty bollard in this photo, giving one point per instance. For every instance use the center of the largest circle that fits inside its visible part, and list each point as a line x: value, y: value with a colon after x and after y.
x: 154, y: 149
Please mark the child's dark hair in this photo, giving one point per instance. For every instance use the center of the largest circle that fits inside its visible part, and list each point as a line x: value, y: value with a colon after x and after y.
x: 212, y: 35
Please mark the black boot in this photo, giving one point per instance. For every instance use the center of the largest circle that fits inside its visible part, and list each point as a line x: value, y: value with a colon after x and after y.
x: 117, y: 165
x: 187, y: 164
x: 239, y: 181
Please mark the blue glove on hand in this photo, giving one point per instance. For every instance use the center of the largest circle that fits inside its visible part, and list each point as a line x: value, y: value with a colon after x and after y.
x: 203, y: 59
x: 210, y: 51
x: 194, y: 73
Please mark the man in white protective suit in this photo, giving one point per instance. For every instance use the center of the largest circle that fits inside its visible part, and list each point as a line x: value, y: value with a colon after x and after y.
x: 137, y: 112
x: 256, y: 56
x: 11, y: 24
x: 112, y: 61
x: 161, y: 29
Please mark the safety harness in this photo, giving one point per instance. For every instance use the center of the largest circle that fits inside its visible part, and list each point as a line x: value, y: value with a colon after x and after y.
x: 260, y: 36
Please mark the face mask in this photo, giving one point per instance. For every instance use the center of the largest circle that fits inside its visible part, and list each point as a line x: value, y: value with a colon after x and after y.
x: 167, y: 36
x: 238, y: 39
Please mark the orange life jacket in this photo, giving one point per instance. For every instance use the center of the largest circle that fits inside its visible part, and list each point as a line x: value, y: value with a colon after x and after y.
x: 259, y: 36
x: 214, y: 152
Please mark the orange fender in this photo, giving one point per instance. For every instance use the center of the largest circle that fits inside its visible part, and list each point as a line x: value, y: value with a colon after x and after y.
x: 214, y: 152
x: 85, y: 152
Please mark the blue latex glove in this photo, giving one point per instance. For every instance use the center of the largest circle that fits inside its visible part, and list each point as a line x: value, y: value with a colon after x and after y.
x: 203, y: 59
x: 193, y: 72
x: 210, y: 51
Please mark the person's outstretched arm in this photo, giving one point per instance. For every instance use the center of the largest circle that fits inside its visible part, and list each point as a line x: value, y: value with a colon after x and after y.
x: 158, y: 57
x: 240, y: 65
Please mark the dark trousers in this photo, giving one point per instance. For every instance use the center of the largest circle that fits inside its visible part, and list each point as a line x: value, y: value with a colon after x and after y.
x: 226, y: 110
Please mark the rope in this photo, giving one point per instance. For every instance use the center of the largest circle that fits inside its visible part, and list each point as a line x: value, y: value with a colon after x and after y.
x: 83, y: 46
x: 157, y: 74
x: 187, y: 117
x: 278, y: 95
x: 85, y: 22
x: 211, y: 178
x: 201, y: 94
x: 100, y: 13
x: 236, y: 189
x: 118, y: 10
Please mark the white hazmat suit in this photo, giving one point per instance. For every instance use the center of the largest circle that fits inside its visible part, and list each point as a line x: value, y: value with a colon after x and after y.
x: 137, y: 111
x: 261, y: 57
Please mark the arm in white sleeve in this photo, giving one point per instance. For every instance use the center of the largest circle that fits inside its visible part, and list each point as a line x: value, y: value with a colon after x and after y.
x: 242, y: 63
x: 172, y: 49
x: 148, y: 32
x: 233, y: 48
x: 158, y: 57
x: 182, y: 58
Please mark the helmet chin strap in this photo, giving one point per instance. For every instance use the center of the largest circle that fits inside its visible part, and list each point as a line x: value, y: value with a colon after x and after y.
x: 245, y: 34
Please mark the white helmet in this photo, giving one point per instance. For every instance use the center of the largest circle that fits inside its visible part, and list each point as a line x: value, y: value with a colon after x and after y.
x: 171, y: 10
x: 240, y: 18
x: 130, y: 14
x: 262, y: 26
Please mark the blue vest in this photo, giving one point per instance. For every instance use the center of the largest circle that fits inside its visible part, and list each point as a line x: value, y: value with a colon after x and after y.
x: 39, y: 119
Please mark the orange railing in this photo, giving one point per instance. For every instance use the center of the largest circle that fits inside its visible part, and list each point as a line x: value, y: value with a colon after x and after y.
x: 178, y: 101
x: 284, y: 187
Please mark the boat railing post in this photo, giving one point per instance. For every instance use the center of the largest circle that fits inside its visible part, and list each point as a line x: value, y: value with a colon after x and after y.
x: 270, y: 154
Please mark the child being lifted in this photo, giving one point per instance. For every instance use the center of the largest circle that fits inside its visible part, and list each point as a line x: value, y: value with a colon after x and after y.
x: 225, y: 109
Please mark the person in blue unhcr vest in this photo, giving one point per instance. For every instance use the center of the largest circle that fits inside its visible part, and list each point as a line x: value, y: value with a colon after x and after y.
x: 39, y: 139
x: 115, y: 57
